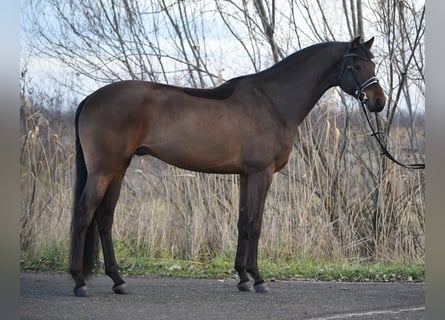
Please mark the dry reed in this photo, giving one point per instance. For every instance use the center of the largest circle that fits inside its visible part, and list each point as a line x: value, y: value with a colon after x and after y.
x: 336, y: 199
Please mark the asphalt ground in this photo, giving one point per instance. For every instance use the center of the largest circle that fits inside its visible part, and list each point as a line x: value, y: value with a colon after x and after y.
x: 50, y: 296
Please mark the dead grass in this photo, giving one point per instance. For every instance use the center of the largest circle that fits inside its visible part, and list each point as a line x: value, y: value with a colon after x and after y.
x: 337, y: 198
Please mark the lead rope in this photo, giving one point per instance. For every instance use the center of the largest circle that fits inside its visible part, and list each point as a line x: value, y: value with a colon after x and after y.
x: 384, y: 151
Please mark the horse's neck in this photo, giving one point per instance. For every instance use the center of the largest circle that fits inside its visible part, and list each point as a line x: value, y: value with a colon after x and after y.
x: 297, y: 85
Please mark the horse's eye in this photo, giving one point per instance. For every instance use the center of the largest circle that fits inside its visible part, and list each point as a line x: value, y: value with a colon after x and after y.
x: 357, y: 67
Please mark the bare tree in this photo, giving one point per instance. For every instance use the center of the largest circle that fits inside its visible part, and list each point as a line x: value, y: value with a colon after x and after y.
x: 109, y: 40
x: 190, y: 42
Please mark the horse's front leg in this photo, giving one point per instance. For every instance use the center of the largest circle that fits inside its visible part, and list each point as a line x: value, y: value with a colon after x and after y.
x: 257, y: 187
x: 241, y: 249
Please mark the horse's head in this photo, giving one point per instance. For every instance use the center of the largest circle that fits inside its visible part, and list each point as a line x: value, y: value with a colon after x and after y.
x: 357, y: 76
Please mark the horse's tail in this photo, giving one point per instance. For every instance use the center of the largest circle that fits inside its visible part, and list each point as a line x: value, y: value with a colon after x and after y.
x: 91, y: 246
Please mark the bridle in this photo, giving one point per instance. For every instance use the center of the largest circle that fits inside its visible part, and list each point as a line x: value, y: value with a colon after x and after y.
x: 363, y: 98
x: 359, y: 87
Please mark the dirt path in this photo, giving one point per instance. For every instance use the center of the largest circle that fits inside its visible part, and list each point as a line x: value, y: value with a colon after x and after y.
x: 49, y: 296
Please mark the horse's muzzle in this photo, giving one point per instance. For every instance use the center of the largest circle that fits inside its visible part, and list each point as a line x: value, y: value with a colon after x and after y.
x: 375, y: 99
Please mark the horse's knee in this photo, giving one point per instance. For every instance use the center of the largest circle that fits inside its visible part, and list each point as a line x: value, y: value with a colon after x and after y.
x: 253, y: 229
x: 242, y: 220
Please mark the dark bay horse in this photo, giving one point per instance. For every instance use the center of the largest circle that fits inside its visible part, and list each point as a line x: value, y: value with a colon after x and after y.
x: 247, y: 126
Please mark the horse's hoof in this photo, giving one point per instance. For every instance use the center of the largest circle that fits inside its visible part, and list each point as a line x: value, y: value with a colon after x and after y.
x: 261, y: 287
x: 81, y: 291
x: 244, y: 286
x: 120, y: 289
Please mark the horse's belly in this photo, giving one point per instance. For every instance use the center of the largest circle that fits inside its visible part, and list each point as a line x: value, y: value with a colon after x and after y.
x: 197, y: 156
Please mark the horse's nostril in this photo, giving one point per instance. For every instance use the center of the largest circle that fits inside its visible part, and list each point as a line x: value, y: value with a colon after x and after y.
x: 380, y: 102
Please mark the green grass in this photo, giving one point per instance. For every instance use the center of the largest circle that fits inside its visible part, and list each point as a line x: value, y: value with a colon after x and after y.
x: 220, y: 265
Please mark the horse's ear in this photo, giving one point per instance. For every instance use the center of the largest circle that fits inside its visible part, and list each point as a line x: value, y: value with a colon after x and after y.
x: 368, y: 44
x: 355, y: 43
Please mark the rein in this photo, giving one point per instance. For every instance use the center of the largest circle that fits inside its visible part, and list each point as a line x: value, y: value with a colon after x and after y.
x: 384, y: 152
x: 362, y: 97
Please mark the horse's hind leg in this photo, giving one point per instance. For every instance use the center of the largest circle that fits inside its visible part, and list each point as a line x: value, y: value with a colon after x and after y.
x: 104, y: 216
x: 94, y: 190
